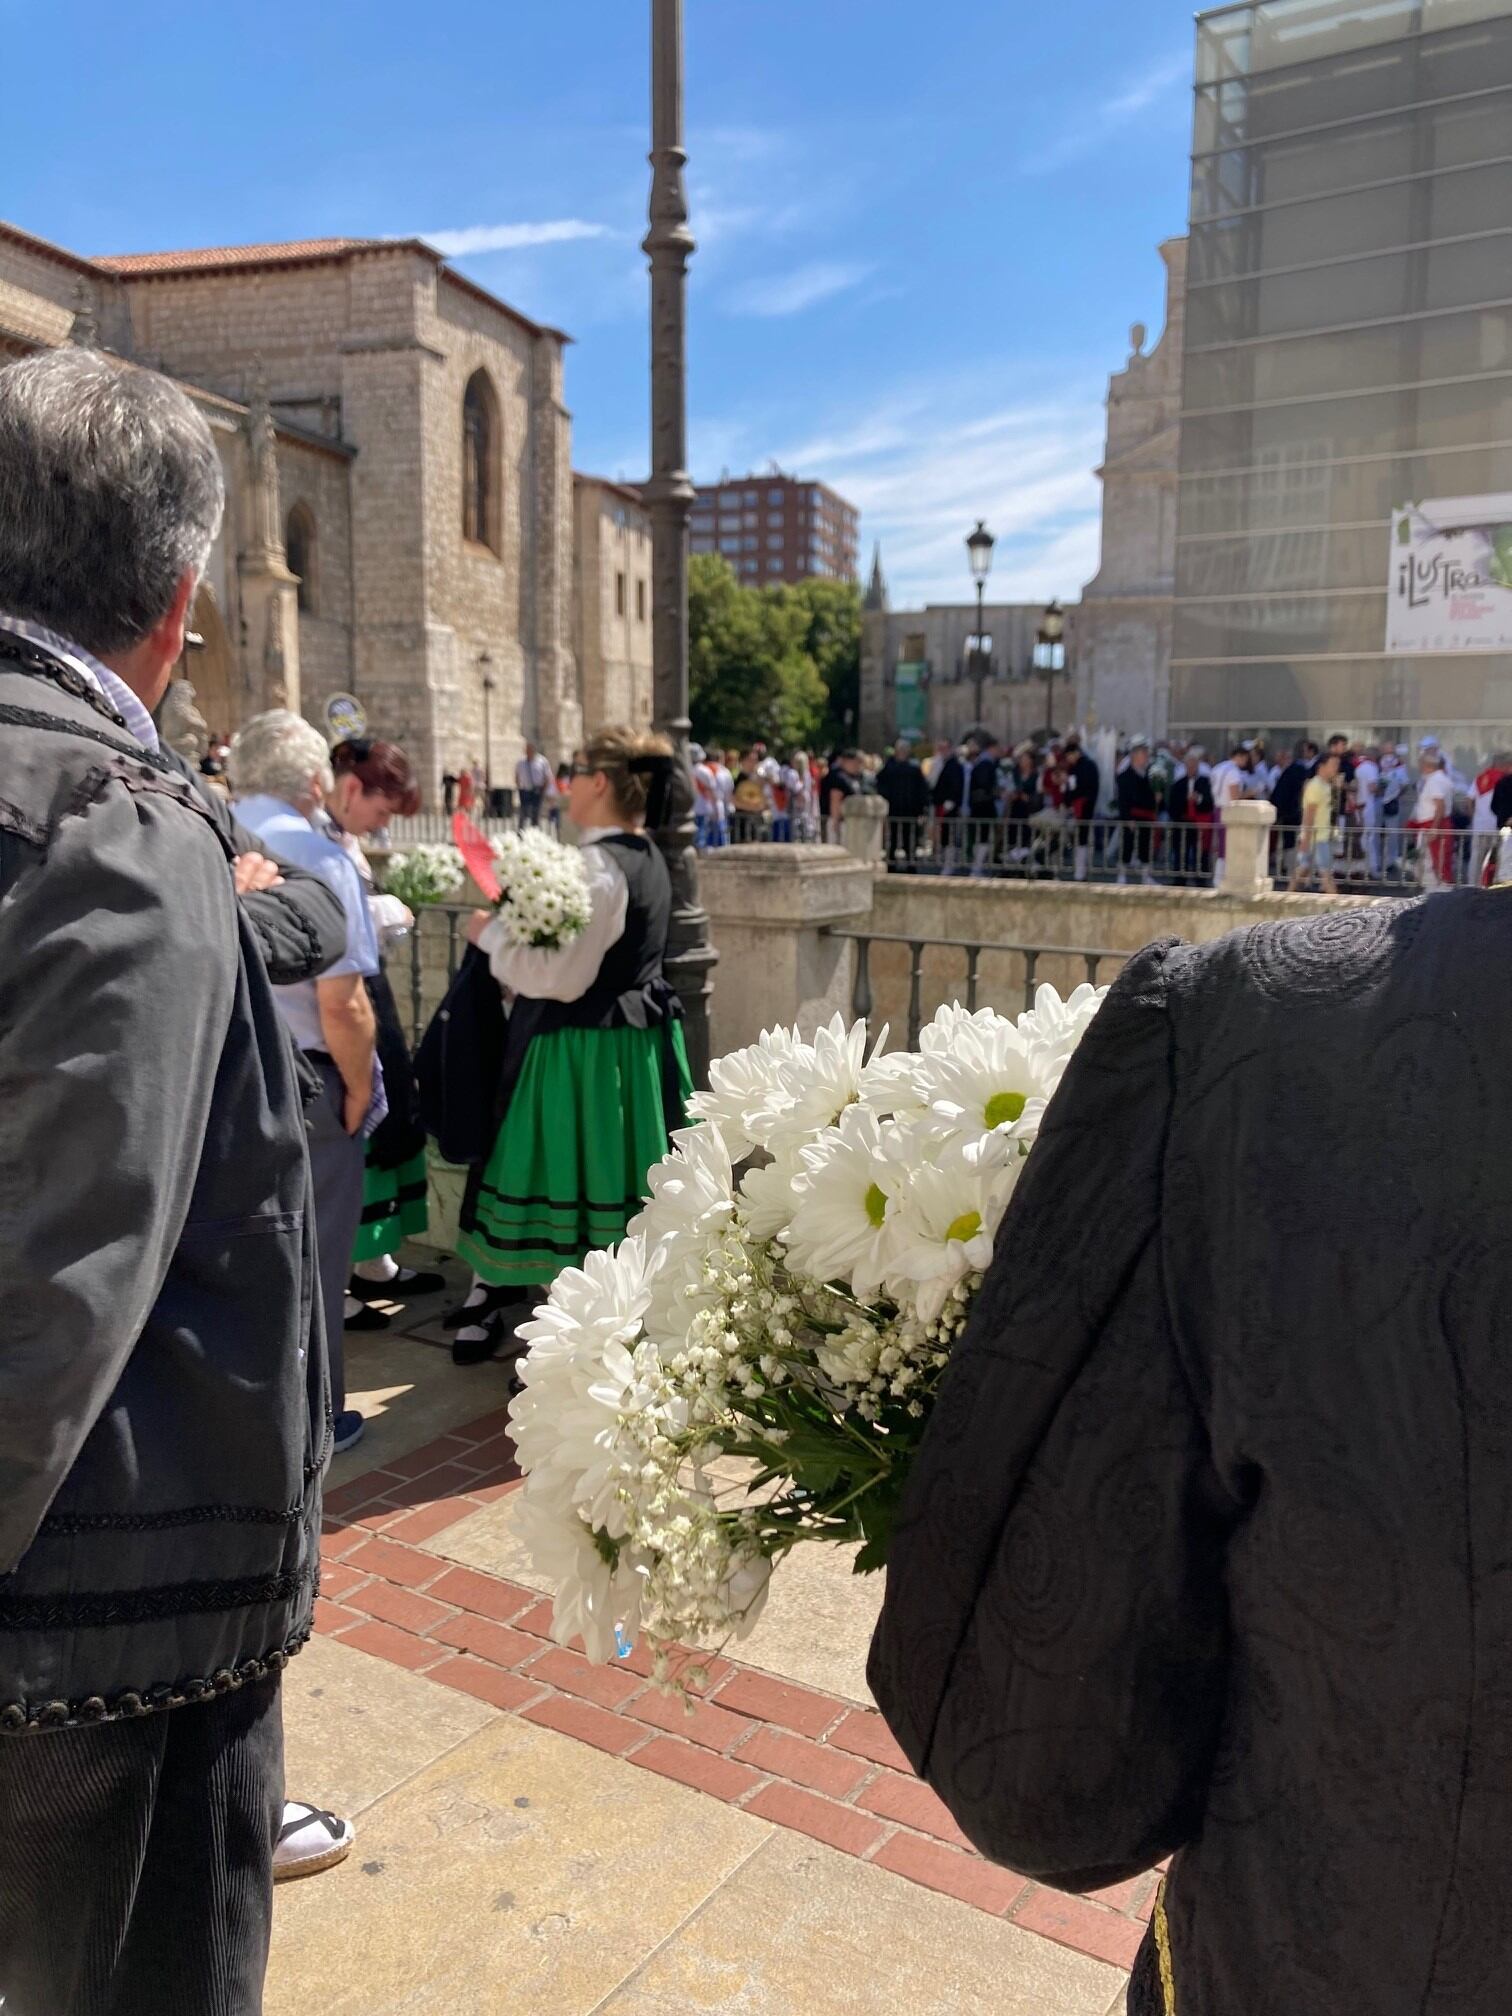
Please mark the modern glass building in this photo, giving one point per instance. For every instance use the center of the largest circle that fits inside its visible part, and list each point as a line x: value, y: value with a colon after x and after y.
x: 1348, y: 351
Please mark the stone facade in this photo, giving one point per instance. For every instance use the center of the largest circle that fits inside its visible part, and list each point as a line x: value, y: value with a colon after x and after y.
x: 612, y: 602
x: 1123, y: 659
x: 1016, y: 696
x: 335, y: 373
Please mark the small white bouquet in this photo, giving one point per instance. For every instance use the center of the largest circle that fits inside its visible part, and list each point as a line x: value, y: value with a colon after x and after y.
x: 543, y: 896
x: 789, y: 1297
x: 427, y: 873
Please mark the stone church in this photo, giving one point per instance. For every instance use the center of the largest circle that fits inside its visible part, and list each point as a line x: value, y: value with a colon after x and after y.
x: 1123, y: 657
x: 400, y: 519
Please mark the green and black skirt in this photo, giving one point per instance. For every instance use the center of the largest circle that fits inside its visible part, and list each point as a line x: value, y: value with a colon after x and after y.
x: 585, y: 1122
x: 394, y: 1207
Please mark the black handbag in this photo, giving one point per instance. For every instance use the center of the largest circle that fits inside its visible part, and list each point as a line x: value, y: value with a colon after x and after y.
x: 458, y: 1063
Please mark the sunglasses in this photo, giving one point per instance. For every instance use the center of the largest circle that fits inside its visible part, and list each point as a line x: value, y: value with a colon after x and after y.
x: 585, y: 770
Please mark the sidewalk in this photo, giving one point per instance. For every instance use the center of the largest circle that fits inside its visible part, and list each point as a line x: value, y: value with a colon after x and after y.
x: 540, y: 1836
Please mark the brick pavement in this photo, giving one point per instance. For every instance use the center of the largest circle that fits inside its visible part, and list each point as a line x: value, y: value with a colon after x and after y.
x: 790, y: 1754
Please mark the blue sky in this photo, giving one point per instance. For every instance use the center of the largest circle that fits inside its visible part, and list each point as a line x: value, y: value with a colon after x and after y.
x: 923, y: 231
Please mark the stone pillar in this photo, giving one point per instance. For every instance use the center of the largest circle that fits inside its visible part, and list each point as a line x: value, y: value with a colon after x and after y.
x: 1246, y: 857
x: 269, y: 592
x: 863, y: 830
x: 768, y: 907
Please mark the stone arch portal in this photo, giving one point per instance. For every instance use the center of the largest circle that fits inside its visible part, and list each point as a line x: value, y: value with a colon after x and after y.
x: 210, y: 668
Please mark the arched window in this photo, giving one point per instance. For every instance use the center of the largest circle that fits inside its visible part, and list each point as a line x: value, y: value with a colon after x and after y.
x: 480, y: 462
x: 299, y: 551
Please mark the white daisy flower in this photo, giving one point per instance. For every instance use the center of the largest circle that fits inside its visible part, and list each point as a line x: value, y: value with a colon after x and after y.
x: 845, y: 1192
x: 943, y: 1227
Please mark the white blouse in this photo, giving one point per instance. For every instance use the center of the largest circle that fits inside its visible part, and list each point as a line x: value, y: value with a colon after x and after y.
x: 567, y: 975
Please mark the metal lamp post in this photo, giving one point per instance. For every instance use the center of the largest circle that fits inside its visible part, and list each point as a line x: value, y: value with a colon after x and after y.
x: 1051, y: 630
x: 979, y: 545
x: 485, y: 660
x: 669, y: 499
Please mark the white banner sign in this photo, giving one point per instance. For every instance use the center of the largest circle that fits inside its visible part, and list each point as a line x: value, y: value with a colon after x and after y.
x: 1451, y: 575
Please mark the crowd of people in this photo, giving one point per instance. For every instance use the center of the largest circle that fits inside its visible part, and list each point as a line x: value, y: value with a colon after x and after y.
x: 1372, y: 811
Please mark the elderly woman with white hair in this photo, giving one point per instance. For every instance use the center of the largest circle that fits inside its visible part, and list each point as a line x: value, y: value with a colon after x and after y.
x: 281, y: 776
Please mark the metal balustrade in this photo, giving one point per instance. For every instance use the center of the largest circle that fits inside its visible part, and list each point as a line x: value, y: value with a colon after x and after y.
x: 1093, y: 959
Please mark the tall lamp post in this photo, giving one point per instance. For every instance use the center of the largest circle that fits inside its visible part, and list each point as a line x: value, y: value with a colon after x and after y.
x: 979, y: 545
x: 669, y: 499
x: 485, y: 663
x: 1051, y: 630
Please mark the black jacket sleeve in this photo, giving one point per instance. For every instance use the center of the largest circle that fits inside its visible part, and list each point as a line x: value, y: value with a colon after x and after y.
x: 1051, y: 1651
x: 300, y: 926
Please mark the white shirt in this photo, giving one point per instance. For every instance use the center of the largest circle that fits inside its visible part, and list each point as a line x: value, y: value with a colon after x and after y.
x: 725, y: 782
x: 532, y: 773
x: 1367, y: 790
x: 1229, y: 783
x: 567, y: 975
x: 1435, y: 799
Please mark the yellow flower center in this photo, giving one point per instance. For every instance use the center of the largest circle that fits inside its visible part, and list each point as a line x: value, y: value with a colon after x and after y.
x: 965, y: 1227
x: 876, y: 1204
x: 1003, y: 1108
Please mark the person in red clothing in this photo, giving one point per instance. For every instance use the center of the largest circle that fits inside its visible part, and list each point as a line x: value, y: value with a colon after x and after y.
x: 1083, y: 783
x: 1484, y: 824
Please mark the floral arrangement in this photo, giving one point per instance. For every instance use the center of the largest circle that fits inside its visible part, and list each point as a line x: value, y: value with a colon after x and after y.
x: 788, y: 1298
x: 544, y: 900
x: 424, y: 874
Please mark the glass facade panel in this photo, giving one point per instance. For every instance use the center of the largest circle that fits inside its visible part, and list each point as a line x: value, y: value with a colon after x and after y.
x: 1349, y: 346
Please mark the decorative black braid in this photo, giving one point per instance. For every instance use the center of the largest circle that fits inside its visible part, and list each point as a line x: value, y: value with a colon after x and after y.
x: 56, y: 724
x: 37, y: 662
x: 86, y: 1610
x: 63, y: 1525
x: 19, y: 1717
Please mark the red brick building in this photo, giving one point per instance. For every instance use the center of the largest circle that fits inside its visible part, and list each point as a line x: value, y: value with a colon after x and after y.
x: 776, y: 528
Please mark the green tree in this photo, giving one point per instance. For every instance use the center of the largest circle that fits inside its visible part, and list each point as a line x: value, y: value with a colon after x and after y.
x: 833, y: 641
x: 750, y: 672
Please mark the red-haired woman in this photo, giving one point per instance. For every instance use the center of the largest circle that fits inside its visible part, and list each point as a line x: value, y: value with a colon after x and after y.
x: 375, y: 782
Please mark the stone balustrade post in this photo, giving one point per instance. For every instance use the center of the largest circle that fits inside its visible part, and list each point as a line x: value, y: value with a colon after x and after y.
x: 863, y: 829
x: 1246, y: 858
x: 769, y: 905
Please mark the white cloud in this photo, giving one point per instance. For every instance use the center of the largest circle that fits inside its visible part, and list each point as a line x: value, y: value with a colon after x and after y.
x: 1142, y: 91
x: 791, y: 293
x: 927, y: 462
x: 512, y: 237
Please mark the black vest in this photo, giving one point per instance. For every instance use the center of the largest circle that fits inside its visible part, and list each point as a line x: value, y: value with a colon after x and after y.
x: 631, y: 991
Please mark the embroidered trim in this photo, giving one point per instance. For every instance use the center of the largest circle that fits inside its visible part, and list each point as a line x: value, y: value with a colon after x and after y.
x: 1163, y: 1952
x: 18, y: 1717
x: 57, y: 724
x: 38, y: 662
x: 97, y: 1609
x: 14, y: 820
x: 61, y: 1525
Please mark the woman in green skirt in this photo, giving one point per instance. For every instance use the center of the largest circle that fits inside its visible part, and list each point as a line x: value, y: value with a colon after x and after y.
x: 375, y: 782
x: 595, y: 1069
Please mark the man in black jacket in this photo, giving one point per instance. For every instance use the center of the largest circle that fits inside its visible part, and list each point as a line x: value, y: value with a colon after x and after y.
x: 983, y: 786
x: 1186, y: 1568
x: 164, y: 1415
x: 1193, y: 818
x: 948, y: 795
x: 901, y: 783
x: 1137, y: 811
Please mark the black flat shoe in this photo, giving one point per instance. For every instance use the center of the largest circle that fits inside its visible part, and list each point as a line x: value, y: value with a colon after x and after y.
x: 368, y: 1319
x: 486, y: 1332
x: 407, y: 1285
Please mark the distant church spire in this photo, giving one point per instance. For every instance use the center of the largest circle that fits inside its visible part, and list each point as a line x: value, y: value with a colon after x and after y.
x: 876, y: 588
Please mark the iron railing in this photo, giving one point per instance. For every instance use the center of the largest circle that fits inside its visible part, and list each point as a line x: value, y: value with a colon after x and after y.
x: 1092, y: 958
x: 436, y: 924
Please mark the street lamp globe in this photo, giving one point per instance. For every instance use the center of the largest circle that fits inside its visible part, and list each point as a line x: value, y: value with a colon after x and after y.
x: 979, y: 545
x: 1053, y: 623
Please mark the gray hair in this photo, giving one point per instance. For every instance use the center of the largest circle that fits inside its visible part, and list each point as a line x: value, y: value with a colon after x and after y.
x: 276, y: 755
x: 110, y: 493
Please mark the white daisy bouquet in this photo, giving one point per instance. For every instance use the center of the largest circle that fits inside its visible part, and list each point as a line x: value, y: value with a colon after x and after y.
x: 753, y: 1367
x: 543, y: 898
x: 425, y: 873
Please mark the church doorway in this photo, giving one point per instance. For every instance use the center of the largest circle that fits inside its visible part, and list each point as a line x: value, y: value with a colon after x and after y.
x: 210, y: 667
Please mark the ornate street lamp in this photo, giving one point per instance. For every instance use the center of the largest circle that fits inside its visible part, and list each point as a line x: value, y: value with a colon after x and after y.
x: 669, y: 499
x: 1051, y: 630
x: 979, y: 545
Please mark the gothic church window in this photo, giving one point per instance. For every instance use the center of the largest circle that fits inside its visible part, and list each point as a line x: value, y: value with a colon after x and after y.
x: 480, y: 462
x: 299, y: 551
